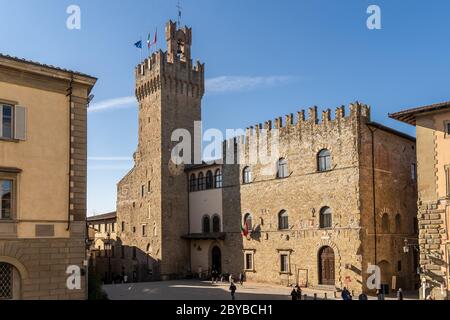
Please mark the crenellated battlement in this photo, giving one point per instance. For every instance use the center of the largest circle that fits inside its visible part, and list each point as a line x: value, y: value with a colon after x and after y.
x: 173, y: 69
x: 302, y: 125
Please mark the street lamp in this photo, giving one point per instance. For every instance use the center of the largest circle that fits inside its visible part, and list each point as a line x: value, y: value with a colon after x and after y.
x: 108, y: 252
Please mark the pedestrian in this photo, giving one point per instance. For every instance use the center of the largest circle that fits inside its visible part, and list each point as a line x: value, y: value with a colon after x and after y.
x: 241, y: 278
x: 233, y: 290
x: 299, y: 293
x: 362, y: 296
x: 346, y: 294
x: 380, y: 295
x: 294, y: 294
x: 400, y: 294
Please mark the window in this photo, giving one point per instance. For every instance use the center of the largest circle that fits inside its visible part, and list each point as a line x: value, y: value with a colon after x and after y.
x: 249, y: 261
x: 216, y: 223
x: 248, y: 220
x: 134, y: 229
x: 399, y: 266
x: 113, y: 252
x: 149, y: 184
x: 123, y: 226
x: 134, y: 253
x: 201, y: 182
x: 113, y: 227
x: 144, y: 230
x: 218, y: 179
x: 282, y: 169
x: 6, y: 197
x: 324, y: 160
x: 447, y: 128
x: 284, y: 263
x: 247, y: 175
x: 398, y: 224
x: 142, y: 191
x: 6, y: 281
x: 283, y: 220
x: 7, y: 121
x: 209, y: 180
x: 413, y: 172
x: 206, y: 224
x: 12, y: 122
x: 192, y: 183
x: 326, y: 218
x: 385, y: 223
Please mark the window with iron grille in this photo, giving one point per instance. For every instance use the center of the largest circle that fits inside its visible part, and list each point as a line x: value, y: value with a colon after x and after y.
x: 6, y: 281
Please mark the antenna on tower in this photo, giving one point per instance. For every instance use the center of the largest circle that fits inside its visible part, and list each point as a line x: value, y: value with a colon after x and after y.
x: 179, y: 14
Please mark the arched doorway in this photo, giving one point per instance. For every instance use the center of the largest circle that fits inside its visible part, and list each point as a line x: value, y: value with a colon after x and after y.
x: 216, y: 261
x: 326, y: 266
x: 10, y: 282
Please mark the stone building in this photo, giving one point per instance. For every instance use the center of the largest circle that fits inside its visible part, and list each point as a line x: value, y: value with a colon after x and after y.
x: 42, y: 179
x: 104, y: 258
x: 340, y: 196
x: 433, y: 167
x: 169, y: 88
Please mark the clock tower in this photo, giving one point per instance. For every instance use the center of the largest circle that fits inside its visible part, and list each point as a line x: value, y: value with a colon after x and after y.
x: 152, y: 202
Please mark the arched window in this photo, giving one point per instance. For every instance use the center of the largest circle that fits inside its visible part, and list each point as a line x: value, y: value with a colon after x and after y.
x: 247, y: 175
x: 326, y: 218
x: 385, y: 223
x: 218, y: 179
x: 324, y: 160
x: 216, y: 223
x: 193, y: 183
x: 282, y: 168
x: 398, y: 224
x: 201, y: 182
x: 209, y: 180
x: 206, y: 224
x: 248, y: 220
x: 283, y: 220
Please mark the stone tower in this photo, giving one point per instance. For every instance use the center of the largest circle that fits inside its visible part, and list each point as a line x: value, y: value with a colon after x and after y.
x: 152, y: 205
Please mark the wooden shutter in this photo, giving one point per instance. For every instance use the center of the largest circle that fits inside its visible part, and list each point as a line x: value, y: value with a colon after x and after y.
x: 20, y: 123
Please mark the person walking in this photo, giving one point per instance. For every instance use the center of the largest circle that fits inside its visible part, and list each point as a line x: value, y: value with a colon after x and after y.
x: 241, y: 278
x: 346, y: 294
x: 299, y: 293
x: 233, y: 290
x: 400, y: 294
x: 362, y: 296
x: 294, y: 294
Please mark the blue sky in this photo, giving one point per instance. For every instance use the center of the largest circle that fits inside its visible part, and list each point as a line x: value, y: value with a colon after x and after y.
x: 263, y: 59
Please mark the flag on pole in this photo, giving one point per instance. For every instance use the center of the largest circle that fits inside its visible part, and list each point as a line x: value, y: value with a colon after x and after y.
x: 138, y: 44
x: 149, y: 41
x: 155, y: 40
x: 244, y: 230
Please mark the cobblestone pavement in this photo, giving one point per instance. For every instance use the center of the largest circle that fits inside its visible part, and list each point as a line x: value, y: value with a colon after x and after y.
x: 197, y: 290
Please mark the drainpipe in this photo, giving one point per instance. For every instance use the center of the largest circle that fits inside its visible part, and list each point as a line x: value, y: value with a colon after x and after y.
x: 69, y: 94
x: 372, y: 133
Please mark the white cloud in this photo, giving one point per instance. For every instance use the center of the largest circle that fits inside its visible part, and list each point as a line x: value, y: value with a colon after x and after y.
x: 223, y: 84
x: 117, y: 103
x: 244, y: 83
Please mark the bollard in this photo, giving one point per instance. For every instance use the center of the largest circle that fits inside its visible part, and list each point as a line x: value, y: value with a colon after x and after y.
x: 325, y: 296
x: 315, y: 296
